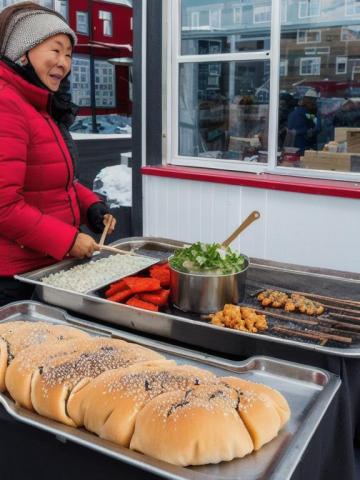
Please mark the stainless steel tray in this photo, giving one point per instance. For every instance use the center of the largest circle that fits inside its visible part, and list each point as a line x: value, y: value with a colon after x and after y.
x: 186, y: 329
x: 309, y: 392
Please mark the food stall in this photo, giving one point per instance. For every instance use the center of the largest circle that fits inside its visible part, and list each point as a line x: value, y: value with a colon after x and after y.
x: 327, y: 342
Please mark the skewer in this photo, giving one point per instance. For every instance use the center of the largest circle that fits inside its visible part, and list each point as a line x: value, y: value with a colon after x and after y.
x: 331, y: 299
x: 348, y: 310
x: 335, y: 323
x: 107, y: 248
x: 313, y: 335
x: 286, y: 317
x: 345, y: 317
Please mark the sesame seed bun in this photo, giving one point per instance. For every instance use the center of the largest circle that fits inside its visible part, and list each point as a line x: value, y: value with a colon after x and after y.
x: 195, y: 427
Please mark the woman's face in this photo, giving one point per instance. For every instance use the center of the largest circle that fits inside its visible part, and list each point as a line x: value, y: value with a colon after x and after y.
x: 51, y: 60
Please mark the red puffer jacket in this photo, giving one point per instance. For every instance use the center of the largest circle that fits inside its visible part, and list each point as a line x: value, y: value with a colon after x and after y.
x: 41, y: 206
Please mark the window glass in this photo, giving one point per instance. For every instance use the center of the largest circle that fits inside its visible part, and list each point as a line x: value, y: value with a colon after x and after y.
x: 82, y: 22
x: 105, y: 90
x: 224, y: 109
x: 106, y: 17
x: 234, y: 26
x: 319, y: 105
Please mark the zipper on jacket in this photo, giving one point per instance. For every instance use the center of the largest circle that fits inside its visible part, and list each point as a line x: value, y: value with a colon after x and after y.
x: 67, y: 167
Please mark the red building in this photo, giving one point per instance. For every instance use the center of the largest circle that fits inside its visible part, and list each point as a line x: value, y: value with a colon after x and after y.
x: 104, y: 30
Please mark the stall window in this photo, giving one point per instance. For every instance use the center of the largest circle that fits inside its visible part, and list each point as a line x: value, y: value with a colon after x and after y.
x: 82, y: 22
x: 237, y: 103
x: 106, y: 17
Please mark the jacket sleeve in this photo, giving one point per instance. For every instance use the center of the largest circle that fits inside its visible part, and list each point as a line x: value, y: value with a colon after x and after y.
x: 86, y: 198
x: 297, y: 122
x: 19, y: 221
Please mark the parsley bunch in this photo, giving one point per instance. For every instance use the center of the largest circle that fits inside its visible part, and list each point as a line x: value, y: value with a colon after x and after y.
x: 205, y: 258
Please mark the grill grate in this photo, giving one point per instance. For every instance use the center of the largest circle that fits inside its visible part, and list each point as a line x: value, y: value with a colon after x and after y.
x: 338, y: 326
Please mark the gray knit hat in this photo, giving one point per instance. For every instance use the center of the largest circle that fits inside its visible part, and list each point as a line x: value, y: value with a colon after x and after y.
x: 29, y: 28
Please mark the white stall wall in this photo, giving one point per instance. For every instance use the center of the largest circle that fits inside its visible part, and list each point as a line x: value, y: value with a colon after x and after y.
x: 311, y: 230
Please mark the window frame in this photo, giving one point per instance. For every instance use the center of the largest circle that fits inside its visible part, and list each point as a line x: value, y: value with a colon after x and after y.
x: 308, y: 15
x: 106, y: 21
x: 173, y: 58
x: 306, y: 31
x: 349, y: 6
x: 307, y: 59
x: 86, y: 15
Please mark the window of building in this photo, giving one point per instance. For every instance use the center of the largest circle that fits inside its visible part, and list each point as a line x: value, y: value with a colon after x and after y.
x: 237, y: 15
x: 236, y: 104
x: 195, y: 20
x: 106, y: 17
x: 283, y: 68
x: 61, y: 6
x: 82, y: 22
x: 308, y: 36
x: 310, y: 66
x: 350, y: 33
x: 309, y: 8
x: 262, y: 14
x: 215, y: 18
x: 352, y: 7
x: 341, y: 65
x: 105, y: 89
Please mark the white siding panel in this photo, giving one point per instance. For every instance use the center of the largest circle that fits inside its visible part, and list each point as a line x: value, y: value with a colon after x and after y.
x: 311, y: 230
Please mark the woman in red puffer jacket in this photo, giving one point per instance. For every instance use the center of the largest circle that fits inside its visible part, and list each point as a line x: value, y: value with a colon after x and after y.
x: 41, y: 203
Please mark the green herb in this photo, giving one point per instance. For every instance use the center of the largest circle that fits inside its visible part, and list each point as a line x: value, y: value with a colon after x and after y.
x: 207, y: 258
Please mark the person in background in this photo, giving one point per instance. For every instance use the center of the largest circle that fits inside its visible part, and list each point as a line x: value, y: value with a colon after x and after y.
x: 42, y: 204
x: 304, y: 123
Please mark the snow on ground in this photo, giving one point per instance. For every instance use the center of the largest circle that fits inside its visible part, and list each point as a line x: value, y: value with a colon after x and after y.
x: 115, y: 184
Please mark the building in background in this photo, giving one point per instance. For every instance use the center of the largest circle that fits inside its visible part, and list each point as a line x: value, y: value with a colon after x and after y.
x: 104, y: 31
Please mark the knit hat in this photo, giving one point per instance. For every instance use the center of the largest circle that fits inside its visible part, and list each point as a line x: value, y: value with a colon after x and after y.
x: 28, y: 28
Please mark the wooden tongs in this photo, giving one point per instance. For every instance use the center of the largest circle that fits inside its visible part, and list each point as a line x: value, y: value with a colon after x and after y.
x: 108, y: 248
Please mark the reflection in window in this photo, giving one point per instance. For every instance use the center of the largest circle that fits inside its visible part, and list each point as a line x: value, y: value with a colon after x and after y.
x: 308, y: 36
x: 341, y: 65
x: 319, y: 102
x: 310, y: 66
x: 352, y: 7
x: 350, y: 33
x: 224, y: 109
x: 262, y: 14
x: 239, y: 26
x: 106, y: 17
x: 309, y: 8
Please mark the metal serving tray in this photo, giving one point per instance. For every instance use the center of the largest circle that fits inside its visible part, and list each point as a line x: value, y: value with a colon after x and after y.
x: 188, y: 328
x: 309, y: 392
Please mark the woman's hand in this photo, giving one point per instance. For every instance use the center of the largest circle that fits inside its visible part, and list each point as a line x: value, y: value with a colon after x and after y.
x: 109, y: 218
x: 84, y: 246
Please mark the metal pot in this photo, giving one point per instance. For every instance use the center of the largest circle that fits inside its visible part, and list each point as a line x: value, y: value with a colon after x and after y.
x: 196, y: 293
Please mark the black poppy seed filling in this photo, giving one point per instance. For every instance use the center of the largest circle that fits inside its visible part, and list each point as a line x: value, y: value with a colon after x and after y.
x: 183, y: 402
x: 218, y: 393
x: 10, y: 356
x: 197, y: 381
x: 107, y: 348
x: 147, y: 385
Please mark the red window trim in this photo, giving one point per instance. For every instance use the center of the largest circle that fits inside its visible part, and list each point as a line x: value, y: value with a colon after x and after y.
x: 314, y: 186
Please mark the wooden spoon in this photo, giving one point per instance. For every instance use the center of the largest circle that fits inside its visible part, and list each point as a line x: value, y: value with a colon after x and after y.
x: 248, y: 221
